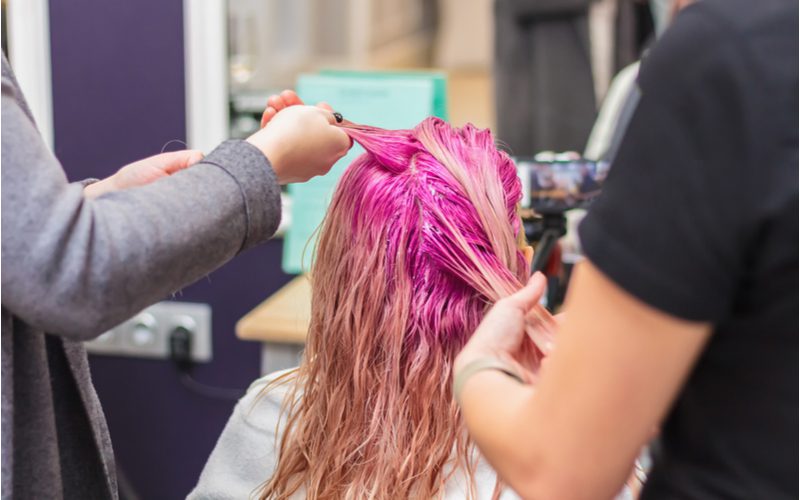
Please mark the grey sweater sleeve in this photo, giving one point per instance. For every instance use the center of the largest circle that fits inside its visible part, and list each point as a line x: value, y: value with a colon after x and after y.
x: 76, y: 267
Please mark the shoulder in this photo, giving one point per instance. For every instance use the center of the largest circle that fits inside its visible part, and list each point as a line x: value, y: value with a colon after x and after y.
x: 257, y: 417
x: 262, y: 405
x: 724, y: 74
x: 245, y: 454
x: 728, y: 36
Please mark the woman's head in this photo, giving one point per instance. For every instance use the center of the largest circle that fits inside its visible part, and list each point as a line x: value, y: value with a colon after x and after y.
x: 421, y: 237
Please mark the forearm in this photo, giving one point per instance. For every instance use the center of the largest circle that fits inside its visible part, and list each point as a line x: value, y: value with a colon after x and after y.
x: 76, y: 266
x: 491, y: 403
x: 518, y: 437
x: 615, y: 371
x: 151, y: 241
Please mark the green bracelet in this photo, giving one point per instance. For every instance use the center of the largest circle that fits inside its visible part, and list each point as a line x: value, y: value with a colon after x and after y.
x: 479, y: 365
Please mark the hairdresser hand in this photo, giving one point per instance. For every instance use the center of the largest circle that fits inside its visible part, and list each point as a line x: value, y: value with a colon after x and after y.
x: 502, y: 334
x: 301, y: 142
x: 144, y: 172
x: 277, y: 102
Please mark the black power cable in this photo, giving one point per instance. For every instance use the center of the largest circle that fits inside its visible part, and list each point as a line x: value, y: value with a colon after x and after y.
x: 180, y: 351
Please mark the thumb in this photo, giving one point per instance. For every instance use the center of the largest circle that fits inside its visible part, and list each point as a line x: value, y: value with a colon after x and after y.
x: 343, y: 141
x: 529, y: 295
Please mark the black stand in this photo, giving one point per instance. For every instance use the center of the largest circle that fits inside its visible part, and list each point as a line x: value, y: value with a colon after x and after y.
x: 546, y: 231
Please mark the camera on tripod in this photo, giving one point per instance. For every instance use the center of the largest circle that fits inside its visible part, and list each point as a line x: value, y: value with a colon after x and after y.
x: 552, y: 185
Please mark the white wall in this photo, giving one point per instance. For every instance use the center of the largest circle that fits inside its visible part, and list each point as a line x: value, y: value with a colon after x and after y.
x: 29, y: 52
x: 206, y: 60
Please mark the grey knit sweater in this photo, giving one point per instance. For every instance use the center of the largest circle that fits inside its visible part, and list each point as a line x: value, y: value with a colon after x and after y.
x: 73, y: 268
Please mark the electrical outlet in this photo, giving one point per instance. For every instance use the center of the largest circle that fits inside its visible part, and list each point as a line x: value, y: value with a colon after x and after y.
x: 146, y: 335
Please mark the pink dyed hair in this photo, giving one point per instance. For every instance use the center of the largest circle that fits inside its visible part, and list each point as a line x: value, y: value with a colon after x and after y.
x: 421, y: 238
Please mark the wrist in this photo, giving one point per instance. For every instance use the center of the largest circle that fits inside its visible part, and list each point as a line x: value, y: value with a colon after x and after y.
x: 472, y: 351
x: 480, y: 365
x: 263, y: 142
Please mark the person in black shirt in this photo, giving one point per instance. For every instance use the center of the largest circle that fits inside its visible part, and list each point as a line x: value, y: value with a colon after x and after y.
x: 684, y: 317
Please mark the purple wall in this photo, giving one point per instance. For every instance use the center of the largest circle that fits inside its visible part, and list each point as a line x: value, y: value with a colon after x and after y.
x: 118, y: 95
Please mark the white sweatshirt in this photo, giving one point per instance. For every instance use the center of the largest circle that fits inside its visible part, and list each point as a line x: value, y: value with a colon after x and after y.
x: 246, y: 453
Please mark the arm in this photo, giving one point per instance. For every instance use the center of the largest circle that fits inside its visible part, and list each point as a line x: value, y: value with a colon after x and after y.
x: 617, y: 368
x: 78, y: 266
x: 668, y: 247
x: 75, y: 265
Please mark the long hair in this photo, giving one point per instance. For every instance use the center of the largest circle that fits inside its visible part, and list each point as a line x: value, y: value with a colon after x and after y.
x: 421, y: 238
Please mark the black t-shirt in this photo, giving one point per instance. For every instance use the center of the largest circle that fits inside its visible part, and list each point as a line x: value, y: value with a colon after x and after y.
x: 699, y: 218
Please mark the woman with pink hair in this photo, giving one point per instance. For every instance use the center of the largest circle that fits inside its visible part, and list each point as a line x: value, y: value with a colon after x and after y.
x: 421, y: 238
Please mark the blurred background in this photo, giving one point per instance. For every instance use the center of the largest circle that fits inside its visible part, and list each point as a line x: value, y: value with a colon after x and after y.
x: 112, y: 81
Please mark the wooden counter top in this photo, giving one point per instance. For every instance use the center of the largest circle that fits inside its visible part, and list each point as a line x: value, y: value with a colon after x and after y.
x: 282, y: 318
